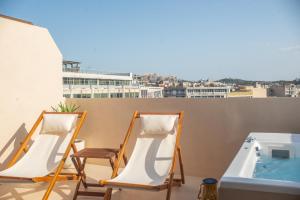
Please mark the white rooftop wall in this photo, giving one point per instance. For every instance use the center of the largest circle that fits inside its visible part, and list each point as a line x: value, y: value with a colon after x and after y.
x: 31, y: 79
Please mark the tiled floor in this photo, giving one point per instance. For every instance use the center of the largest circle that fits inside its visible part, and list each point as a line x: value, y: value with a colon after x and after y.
x: 65, y: 190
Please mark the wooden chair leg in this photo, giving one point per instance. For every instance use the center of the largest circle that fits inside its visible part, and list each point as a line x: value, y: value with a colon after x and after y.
x: 170, y: 186
x: 111, y: 162
x: 79, y: 166
x: 76, y: 190
x: 80, y: 178
x: 107, y: 195
x: 54, y: 179
x: 83, y: 179
x: 181, y: 165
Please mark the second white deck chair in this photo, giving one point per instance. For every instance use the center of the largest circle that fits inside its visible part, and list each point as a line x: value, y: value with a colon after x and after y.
x: 152, y: 163
x: 44, y: 160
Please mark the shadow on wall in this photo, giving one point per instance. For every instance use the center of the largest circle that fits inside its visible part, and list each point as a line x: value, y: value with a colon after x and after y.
x: 14, y: 142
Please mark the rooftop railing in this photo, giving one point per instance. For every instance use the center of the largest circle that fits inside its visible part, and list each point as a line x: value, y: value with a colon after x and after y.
x: 85, y: 71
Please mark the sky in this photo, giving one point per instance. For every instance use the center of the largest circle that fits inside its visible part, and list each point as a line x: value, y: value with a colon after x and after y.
x: 191, y: 39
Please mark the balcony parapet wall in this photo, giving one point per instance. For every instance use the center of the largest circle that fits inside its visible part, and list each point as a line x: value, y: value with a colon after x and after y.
x: 213, y: 129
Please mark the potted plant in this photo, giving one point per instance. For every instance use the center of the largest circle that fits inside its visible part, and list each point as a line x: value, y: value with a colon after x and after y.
x: 64, y: 107
x: 79, y: 143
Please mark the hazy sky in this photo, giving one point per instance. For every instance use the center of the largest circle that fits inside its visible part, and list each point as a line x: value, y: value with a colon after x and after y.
x: 249, y: 39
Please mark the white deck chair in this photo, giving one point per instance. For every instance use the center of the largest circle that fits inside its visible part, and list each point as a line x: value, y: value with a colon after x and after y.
x: 44, y: 160
x: 152, y: 163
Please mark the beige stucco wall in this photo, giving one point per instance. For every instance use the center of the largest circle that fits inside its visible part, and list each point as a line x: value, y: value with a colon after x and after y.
x: 31, y: 79
x: 213, y: 129
x: 259, y: 92
x: 250, y: 92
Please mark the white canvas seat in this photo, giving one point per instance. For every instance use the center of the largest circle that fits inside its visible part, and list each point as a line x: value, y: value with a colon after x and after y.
x: 42, y: 158
x: 150, y: 161
x: 49, y: 150
x: 153, y: 156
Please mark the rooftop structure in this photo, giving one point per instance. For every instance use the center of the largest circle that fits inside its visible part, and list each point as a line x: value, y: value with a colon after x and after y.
x: 71, y: 66
x: 290, y: 90
x: 92, y: 84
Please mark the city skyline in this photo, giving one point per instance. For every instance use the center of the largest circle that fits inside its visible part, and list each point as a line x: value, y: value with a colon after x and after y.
x: 251, y: 40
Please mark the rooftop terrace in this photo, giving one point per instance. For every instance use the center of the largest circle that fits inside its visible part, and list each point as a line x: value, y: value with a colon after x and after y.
x: 213, y: 132
x: 65, y: 190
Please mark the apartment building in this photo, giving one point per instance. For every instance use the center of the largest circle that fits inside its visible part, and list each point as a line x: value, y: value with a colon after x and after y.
x: 208, y: 92
x: 91, y: 84
x: 290, y: 90
x: 197, y: 92
x: 151, y: 92
x: 175, y: 92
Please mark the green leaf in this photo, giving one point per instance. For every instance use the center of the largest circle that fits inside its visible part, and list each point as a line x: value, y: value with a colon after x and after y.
x: 63, y: 107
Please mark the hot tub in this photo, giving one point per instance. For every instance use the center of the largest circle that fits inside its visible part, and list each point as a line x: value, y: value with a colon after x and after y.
x: 267, y: 166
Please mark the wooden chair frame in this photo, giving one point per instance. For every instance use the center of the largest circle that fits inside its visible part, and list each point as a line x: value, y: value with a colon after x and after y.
x: 169, y: 182
x: 57, y: 175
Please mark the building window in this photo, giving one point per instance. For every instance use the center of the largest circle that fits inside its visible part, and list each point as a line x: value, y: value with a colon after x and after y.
x: 81, y: 81
x: 65, y: 81
x: 131, y: 94
x: 103, y: 82
x: 86, y: 95
x: 100, y: 95
x: 144, y: 93
x: 76, y: 95
x: 157, y: 94
x: 93, y: 81
x: 116, y: 95
x: 68, y: 81
x: 76, y: 81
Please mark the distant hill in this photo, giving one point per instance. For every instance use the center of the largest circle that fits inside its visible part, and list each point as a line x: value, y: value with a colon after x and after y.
x: 250, y: 82
x: 297, y: 81
x: 237, y: 81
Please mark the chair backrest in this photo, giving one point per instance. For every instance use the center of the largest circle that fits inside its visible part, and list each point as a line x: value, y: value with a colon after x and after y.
x: 152, y: 156
x: 48, y: 147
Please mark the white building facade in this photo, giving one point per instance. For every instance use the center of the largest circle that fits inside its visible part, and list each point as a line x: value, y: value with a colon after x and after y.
x: 197, y: 92
x: 208, y: 92
x: 78, y: 84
